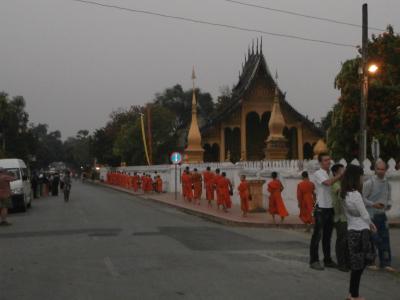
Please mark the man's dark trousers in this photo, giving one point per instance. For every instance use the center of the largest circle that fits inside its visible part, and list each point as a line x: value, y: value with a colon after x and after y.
x: 323, y: 228
x: 381, y: 239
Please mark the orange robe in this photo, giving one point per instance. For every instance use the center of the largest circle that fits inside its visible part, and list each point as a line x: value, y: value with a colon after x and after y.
x: 149, y: 184
x: 187, y: 186
x: 305, y: 196
x: 159, y: 185
x: 244, y: 193
x: 276, y: 205
x: 223, y: 184
x: 197, y: 185
x: 208, y: 183
x: 135, y: 183
x: 215, y: 187
x: 143, y: 183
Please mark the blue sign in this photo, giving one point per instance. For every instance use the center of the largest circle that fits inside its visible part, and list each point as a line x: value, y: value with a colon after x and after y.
x: 176, y: 158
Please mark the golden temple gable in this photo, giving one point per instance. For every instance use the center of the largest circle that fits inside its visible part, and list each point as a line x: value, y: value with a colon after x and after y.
x: 241, y: 130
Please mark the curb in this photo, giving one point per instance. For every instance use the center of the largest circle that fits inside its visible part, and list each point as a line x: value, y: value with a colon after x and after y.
x: 212, y: 218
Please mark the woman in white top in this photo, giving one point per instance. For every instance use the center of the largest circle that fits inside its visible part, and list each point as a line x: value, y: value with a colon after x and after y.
x: 359, y: 226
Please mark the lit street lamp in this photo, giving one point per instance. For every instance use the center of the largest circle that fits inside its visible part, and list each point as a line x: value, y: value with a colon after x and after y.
x: 365, y: 70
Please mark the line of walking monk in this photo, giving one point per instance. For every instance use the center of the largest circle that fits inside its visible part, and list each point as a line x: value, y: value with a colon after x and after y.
x: 135, y: 182
x: 218, y: 187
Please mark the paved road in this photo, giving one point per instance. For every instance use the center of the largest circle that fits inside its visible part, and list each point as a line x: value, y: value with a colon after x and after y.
x: 105, y: 244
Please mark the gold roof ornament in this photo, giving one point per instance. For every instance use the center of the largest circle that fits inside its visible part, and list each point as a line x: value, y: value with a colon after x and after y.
x: 194, y: 150
x: 320, y: 147
x: 277, y: 144
x: 276, y: 121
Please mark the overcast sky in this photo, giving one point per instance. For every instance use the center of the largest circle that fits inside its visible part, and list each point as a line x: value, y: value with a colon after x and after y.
x: 75, y: 63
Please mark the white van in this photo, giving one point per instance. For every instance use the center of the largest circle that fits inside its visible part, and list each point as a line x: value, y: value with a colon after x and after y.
x: 21, y: 187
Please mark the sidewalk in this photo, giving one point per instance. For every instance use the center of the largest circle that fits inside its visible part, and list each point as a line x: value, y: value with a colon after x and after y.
x: 233, y: 217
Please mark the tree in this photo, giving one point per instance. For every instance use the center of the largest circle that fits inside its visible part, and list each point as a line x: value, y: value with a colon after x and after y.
x: 383, y: 101
x: 179, y: 102
x: 14, y: 134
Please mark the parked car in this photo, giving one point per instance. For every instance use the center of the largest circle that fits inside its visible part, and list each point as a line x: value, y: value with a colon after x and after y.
x: 21, y: 186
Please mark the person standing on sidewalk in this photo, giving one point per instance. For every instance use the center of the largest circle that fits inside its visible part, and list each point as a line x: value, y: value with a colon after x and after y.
x: 244, y: 193
x: 340, y: 221
x: 306, y: 199
x: 323, y: 215
x: 208, y: 177
x: 5, y: 194
x: 197, y: 186
x: 276, y: 206
x: 359, y: 226
x: 377, y: 198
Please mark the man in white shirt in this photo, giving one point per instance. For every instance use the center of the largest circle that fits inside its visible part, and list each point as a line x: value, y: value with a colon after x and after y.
x: 323, y: 214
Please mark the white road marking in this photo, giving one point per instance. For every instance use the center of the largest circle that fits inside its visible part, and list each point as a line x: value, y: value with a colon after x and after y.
x: 110, y: 267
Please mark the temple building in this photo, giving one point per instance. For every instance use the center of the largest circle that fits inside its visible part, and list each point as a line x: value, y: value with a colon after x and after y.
x: 258, y: 123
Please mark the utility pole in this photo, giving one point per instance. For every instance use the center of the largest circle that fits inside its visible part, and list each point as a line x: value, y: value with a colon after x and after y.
x: 364, y: 87
x: 149, y: 137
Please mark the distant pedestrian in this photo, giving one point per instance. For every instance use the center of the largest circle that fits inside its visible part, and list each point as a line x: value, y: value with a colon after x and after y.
x: 208, y: 178
x: 5, y: 195
x: 340, y: 222
x: 35, y: 184
x: 54, y: 184
x: 306, y: 200
x: 378, y: 200
x: 276, y: 206
x: 359, y: 225
x: 323, y: 215
x: 224, y: 188
x: 244, y: 193
x: 197, y: 183
x: 216, y: 179
x: 187, y: 190
x: 159, y: 184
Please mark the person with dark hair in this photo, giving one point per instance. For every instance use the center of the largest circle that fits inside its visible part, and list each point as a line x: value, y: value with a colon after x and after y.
x: 5, y: 195
x: 306, y: 199
x: 197, y: 182
x: 217, y: 177
x: 135, y: 182
x: 340, y: 222
x: 54, y: 184
x: 208, y: 178
x: 359, y: 226
x: 244, y: 193
x: 323, y: 214
x: 378, y: 200
x: 276, y: 205
x: 187, y: 190
x: 224, y: 187
x: 35, y: 184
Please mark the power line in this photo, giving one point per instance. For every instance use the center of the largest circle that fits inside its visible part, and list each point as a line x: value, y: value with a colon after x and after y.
x: 301, y: 15
x: 198, y: 21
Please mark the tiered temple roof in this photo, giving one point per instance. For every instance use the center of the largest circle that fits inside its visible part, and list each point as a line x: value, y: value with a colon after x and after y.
x: 255, y: 63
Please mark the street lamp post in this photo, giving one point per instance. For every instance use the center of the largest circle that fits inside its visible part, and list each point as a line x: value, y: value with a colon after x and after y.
x: 364, y: 86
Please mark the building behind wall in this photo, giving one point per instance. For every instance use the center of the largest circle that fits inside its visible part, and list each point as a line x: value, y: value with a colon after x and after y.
x: 240, y: 130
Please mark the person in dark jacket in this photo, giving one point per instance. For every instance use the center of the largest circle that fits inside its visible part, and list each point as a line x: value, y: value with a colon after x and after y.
x: 54, y: 184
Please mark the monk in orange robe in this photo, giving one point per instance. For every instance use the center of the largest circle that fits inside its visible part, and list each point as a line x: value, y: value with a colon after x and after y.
x: 197, y: 186
x: 135, y: 182
x: 149, y: 184
x: 224, y: 187
x: 244, y: 193
x: 215, y: 187
x: 276, y: 205
x: 208, y: 177
x: 159, y: 184
x: 143, y: 182
x: 187, y: 185
x: 306, y: 198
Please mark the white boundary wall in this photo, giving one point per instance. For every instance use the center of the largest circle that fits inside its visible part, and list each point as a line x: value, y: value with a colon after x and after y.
x: 289, y: 173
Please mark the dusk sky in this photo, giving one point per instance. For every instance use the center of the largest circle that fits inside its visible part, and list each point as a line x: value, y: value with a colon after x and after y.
x: 75, y: 63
